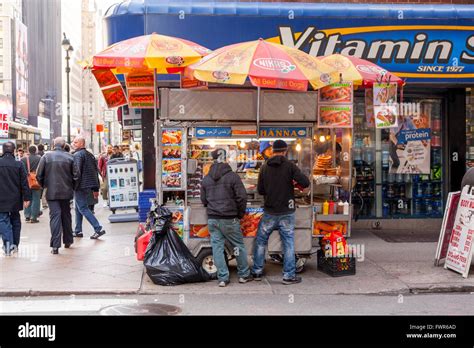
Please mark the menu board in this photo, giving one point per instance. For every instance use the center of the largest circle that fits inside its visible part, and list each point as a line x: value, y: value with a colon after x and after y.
x: 460, y: 244
x: 141, y: 90
x: 335, y: 106
x: 369, y: 107
x: 177, y: 220
x: 172, y: 162
x: 123, y: 184
x: 385, y: 105
x: 111, y: 88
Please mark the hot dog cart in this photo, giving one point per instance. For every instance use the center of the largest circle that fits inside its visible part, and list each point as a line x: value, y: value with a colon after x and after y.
x: 195, y: 122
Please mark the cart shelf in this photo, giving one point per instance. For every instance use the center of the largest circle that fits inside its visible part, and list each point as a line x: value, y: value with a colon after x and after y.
x: 333, y: 217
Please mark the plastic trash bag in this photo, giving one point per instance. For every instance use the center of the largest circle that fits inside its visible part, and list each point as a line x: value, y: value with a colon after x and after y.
x: 168, y: 260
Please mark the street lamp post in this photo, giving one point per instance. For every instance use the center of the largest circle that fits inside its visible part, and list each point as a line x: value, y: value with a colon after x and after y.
x: 68, y: 48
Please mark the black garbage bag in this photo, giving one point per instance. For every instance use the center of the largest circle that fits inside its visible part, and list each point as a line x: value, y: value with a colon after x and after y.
x: 167, y: 260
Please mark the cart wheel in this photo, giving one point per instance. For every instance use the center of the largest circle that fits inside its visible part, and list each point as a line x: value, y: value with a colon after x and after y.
x: 300, y: 262
x: 206, y: 260
x: 276, y: 258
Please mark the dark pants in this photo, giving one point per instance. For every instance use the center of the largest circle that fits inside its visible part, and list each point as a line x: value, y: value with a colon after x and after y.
x: 60, y: 220
x: 15, y: 220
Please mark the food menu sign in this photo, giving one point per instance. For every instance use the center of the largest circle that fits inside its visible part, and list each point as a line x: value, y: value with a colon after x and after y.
x: 384, y: 105
x: 335, y: 107
x: 177, y: 220
x: 111, y: 88
x: 447, y: 226
x: 172, y: 158
x: 460, y: 244
x: 141, y: 89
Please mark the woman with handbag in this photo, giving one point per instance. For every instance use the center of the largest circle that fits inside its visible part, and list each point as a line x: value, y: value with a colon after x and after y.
x: 31, y: 162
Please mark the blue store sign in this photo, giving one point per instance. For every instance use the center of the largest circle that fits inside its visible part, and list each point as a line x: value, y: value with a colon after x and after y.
x: 213, y: 132
x: 421, y: 43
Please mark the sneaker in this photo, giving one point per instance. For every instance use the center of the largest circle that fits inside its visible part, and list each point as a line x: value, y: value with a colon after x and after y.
x: 67, y: 246
x: 290, y: 281
x: 223, y: 284
x: 34, y: 221
x: 105, y: 205
x: 246, y: 279
x: 257, y: 277
x: 27, y: 219
x: 78, y: 234
x: 55, y: 251
x: 98, y: 234
x: 40, y: 213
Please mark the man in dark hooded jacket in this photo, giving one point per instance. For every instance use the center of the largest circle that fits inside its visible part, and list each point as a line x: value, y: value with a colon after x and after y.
x: 224, y: 195
x: 276, y: 181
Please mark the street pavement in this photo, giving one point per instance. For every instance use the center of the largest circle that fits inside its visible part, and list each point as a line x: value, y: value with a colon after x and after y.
x: 243, y: 304
x: 108, y: 266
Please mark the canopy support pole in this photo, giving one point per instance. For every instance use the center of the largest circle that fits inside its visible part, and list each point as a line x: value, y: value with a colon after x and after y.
x: 157, y: 141
x: 258, y: 112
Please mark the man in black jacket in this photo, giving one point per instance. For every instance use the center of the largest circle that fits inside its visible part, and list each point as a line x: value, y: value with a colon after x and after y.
x: 88, y: 180
x: 225, y: 198
x: 14, y: 196
x: 276, y: 182
x: 56, y: 174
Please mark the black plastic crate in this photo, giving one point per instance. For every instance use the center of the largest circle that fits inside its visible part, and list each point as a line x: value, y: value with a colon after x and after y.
x: 336, y: 266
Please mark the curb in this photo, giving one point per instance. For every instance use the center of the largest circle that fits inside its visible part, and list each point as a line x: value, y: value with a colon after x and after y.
x: 40, y: 293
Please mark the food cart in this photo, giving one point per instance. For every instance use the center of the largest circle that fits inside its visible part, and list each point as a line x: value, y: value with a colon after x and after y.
x: 194, y: 122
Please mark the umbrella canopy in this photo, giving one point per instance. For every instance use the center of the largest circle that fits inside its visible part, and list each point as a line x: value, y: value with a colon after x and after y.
x: 266, y: 64
x: 166, y: 54
x: 360, y: 71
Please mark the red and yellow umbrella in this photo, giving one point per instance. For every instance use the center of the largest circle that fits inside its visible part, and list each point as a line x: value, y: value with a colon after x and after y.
x: 164, y: 53
x: 360, y: 71
x: 266, y: 64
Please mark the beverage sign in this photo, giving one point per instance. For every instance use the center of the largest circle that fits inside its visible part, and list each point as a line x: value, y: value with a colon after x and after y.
x: 460, y: 244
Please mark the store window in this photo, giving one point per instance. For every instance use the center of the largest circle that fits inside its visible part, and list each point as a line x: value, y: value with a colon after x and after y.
x: 469, y: 128
x: 397, y: 175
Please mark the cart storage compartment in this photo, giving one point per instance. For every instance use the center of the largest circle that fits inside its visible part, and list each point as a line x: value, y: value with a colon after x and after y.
x: 215, y: 104
x: 288, y: 106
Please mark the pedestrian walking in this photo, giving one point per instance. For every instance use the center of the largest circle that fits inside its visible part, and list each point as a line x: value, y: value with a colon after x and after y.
x: 40, y: 151
x: 56, y: 174
x: 44, y: 203
x: 103, y: 160
x: 276, y: 183
x: 19, y: 154
x: 87, y: 181
x: 225, y: 198
x: 31, y: 162
x: 14, y: 196
x: 116, y: 152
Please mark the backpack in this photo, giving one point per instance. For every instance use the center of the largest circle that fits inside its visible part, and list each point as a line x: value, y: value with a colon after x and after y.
x: 32, y: 182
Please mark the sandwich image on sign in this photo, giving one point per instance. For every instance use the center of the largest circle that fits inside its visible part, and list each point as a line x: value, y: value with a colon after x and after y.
x: 141, y: 98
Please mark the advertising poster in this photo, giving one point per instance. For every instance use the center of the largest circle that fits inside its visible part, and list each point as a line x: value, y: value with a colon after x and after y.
x: 114, y: 96
x: 172, y: 158
x: 335, y: 106
x: 105, y: 77
x: 5, y: 115
x: 21, y: 72
x: 123, y: 184
x: 143, y: 98
x: 198, y: 231
x: 249, y: 223
x: 447, y: 226
x: 369, y: 107
x: 337, y: 116
x: 384, y: 104
x: 410, y: 145
x: 337, y: 93
x: 177, y: 220
x: 139, y: 79
x: 131, y: 118
x: 460, y: 244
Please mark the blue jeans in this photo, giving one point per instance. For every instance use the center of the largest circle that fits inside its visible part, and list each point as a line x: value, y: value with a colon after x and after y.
x: 6, y: 231
x: 286, y: 227
x: 220, y: 231
x: 15, y: 220
x: 82, y: 209
x: 33, y: 209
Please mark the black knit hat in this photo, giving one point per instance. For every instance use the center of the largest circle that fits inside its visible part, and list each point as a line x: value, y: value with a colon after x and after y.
x: 280, y: 146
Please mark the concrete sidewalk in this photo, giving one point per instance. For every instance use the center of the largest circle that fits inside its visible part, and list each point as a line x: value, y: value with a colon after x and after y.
x: 106, y: 265
x: 109, y: 266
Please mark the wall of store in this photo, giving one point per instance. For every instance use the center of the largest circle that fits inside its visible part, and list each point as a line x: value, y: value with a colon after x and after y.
x: 449, y: 32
